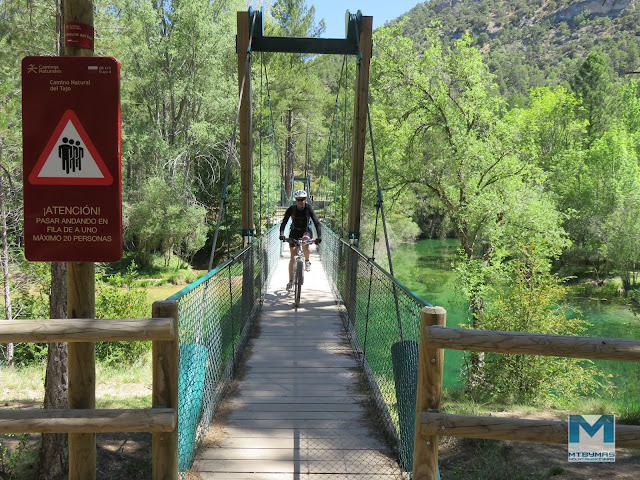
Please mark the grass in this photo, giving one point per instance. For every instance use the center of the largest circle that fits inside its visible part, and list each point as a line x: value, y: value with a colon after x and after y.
x: 158, y: 272
x: 22, y: 384
x: 116, y: 387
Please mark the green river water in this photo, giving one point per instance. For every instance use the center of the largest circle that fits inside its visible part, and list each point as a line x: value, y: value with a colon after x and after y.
x: 425, y: 268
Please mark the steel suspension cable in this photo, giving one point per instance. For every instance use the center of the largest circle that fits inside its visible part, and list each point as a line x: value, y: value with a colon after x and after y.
x: 344, y: 149
x: 260, y: 146
x: 272, y: 139
x: 379, y: 204
x: 329, y: 166
x: 232, y: 140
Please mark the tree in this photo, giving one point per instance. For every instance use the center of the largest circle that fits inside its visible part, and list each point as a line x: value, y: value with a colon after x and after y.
x: 179, y: 90
x: 295, y: 86
x: 4, y: 255
x: 594, y: 87
x: 622, y: 240
x: 25, y: 29
x: 459, y: 153
x: 177, y: 227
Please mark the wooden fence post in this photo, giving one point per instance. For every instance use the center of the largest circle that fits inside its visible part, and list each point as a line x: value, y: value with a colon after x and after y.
x: 428, y: 395
x: 165, y: 395
x: 82, y: 368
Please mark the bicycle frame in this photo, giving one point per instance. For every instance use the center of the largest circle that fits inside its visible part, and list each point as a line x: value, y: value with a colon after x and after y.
x: 298, y: 266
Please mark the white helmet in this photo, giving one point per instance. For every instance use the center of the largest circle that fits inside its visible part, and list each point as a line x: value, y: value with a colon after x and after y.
x: 300, y: 194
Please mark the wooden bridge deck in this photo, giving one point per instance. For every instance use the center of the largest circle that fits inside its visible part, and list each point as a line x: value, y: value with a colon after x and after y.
x: 297, y: 413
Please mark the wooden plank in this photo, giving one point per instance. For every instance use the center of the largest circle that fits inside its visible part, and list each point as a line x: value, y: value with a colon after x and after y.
x: 300, y: 385
x: 355, y: 433
x: 291, y: 476
x: 327, y: 466
x: 285, y: 415
x: 87, y: 420
x: 292, y: 454
x: 302, y: 357
x: 286, y: 364
x: 364, y: 443
x: 517, y: 429
x: 287, y: 424
x: 535, y: 344
x: 298, y: 413
x: 284, y: 398
x: 293, y: 407
x: 87, y: 330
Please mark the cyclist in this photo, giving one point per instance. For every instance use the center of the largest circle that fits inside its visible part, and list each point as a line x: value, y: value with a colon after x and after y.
x: 301, y: 215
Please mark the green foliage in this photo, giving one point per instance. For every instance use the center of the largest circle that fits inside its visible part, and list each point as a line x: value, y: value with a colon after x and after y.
x: 16, y: 462
x: 531, y: 302
x: 116, y: 299
x: 165, y: 220
x: 593, y: 85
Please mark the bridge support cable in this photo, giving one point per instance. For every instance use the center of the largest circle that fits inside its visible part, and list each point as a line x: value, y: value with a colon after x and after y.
x: 267, y: 186
x: 231, y: 148
x: 404, y: 353
x: 380, y: 202
x: 335, y: 158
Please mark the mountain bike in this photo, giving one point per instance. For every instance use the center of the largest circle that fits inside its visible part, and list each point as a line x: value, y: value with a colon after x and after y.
x: 298, y: 266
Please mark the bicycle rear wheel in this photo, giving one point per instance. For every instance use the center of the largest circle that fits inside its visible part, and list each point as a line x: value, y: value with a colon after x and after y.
x: 298, y: 283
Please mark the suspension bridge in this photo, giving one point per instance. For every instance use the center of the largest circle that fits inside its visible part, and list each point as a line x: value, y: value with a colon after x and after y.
x: 309, y: 397
x: 346, y: 386
x: 311, y: 392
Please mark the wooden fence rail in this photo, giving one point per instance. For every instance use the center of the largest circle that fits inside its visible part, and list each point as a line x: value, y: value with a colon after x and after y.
x: 431, y: 424
x: 160, y: 420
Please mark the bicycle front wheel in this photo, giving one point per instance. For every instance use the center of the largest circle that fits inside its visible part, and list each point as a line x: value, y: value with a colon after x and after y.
x: 298, y: 283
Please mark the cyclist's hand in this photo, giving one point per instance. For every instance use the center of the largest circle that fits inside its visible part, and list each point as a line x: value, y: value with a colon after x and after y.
x: 282, y: 238
x: 318, y: 240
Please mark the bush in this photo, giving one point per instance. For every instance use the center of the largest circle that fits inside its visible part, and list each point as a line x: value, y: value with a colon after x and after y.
x: 116, y: 299
x: 532, y: 303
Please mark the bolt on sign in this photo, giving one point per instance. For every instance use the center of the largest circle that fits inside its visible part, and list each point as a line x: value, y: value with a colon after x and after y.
x: 71, y: 159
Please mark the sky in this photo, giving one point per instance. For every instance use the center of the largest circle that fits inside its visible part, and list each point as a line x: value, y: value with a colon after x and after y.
x: 333, y: 12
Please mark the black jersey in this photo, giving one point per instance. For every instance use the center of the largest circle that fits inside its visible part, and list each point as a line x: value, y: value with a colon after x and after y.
x: 301, y: 219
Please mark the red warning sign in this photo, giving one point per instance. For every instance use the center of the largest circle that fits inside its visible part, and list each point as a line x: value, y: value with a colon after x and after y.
x: 71, y: 159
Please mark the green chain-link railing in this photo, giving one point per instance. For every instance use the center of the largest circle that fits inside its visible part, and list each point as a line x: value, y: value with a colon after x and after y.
x: 382, y: 318
x: 215, y: 315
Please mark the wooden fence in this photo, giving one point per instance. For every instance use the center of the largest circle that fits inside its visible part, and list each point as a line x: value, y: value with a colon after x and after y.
x: 431, y: 424
x: 161, y: 419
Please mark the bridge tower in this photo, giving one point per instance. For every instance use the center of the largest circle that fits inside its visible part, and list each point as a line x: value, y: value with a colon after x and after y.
x: 358, y: 42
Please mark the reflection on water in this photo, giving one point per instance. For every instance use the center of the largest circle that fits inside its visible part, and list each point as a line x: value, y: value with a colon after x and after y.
x: 425, y: 268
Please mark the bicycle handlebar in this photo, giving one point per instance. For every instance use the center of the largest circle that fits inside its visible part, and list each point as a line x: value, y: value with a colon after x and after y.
x: 300, y: 241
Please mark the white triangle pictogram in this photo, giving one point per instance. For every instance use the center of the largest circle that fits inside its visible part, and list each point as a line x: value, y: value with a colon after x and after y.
x: 70, y: 158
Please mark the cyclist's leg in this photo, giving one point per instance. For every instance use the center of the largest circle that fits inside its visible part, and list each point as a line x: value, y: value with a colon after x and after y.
x: 292, y: 259
x: 293, y: 251
x: 305, y: 247
x: 306, y: 250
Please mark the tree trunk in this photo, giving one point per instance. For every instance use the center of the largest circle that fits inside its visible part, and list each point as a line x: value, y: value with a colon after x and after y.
x: 54, y: 456
x: 53, y: 461
x: 5, y: 257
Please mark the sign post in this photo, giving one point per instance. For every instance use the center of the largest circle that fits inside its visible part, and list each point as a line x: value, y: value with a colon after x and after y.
x: 72, y: 192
